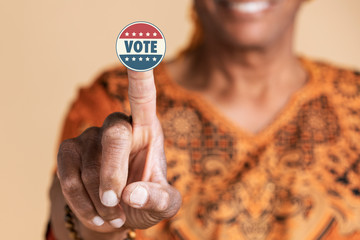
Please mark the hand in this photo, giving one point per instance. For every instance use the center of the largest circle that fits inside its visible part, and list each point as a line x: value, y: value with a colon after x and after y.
x: 115, y: 176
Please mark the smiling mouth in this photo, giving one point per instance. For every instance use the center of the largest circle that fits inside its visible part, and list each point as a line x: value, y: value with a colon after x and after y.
x: 247, y: 7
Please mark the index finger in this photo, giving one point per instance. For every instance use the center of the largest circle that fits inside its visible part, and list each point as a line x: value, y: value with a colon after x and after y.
x: 142, y: 97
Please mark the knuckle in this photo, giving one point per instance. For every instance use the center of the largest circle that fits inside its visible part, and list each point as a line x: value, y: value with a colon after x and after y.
x: 177, y: 202
x: 68, y: 153
x: 91, y: 131
x: 144, y: 97
x: 88, y: 177
x: 164, y: 202
x: 70, y: 185
x: 111, y: 177
x: 67, y: 146
x: 116, y: 117
x: 91, y: 162
x: 118, y: 131
x: 90, y: 134
x: 114, y: 149
x: 116, y: 138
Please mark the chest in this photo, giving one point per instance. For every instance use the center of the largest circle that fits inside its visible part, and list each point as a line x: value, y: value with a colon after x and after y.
x: 257, y: 186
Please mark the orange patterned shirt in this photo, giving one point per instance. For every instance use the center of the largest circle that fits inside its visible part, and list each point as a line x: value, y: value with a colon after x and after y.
x: 299, y: 178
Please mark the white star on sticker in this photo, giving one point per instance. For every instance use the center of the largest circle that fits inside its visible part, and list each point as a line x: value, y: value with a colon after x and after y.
x: 126, y: 59
x: 140, y: 59
x: 154, y: 59
x: 147, y: 59
x: 154, y: 34
x: 134, y: 59
x: 147, y: 34
x: 140, y: 34
x: 126, y: 34
x: 134, y: 34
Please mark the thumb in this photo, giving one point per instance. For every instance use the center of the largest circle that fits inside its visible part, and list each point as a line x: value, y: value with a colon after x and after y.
x: 162, y: 200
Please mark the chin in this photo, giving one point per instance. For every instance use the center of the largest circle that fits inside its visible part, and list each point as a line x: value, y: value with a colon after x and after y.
x: 250, y: 37
x: 247, y: 23
x: 246, y: 35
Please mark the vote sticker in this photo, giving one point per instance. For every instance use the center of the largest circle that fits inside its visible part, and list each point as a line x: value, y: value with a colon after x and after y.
x: 140, y: 46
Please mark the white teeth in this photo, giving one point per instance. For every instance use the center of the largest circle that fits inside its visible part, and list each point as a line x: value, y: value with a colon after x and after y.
x: 250, y: 7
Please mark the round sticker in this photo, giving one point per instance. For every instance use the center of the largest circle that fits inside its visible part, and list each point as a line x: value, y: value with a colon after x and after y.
x: 140, y: 46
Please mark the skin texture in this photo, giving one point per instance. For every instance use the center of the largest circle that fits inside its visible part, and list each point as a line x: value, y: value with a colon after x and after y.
x: 124, y: 155
x: 245, y: 67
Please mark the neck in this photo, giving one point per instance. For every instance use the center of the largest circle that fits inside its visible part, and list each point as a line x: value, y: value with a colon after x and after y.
x: 247, y: 72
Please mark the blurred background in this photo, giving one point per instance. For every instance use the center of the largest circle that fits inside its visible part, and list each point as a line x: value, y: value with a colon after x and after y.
x: 48, y: 49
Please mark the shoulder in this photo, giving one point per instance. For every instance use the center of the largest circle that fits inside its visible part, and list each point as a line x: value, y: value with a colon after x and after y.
x: 346, y: 82
x: 338, y: 90
x: 340, y: 86
x: 341, y: 80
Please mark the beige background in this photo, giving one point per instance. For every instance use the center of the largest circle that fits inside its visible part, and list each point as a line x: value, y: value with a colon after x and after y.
x: 50, y: 48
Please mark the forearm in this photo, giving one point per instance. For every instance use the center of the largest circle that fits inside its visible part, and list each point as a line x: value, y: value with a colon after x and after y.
x: 58, y: 224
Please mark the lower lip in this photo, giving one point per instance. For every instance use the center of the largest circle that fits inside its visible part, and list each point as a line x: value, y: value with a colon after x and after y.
x: 247, y: 11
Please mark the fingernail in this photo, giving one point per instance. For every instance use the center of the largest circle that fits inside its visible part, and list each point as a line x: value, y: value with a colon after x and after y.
x: 109, y: 198
x: 117, y: 223
x: 98, y: 221
x: 138, y: 197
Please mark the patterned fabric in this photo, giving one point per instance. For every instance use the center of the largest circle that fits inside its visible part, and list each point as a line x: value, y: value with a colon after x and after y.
x: 299, y: 178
